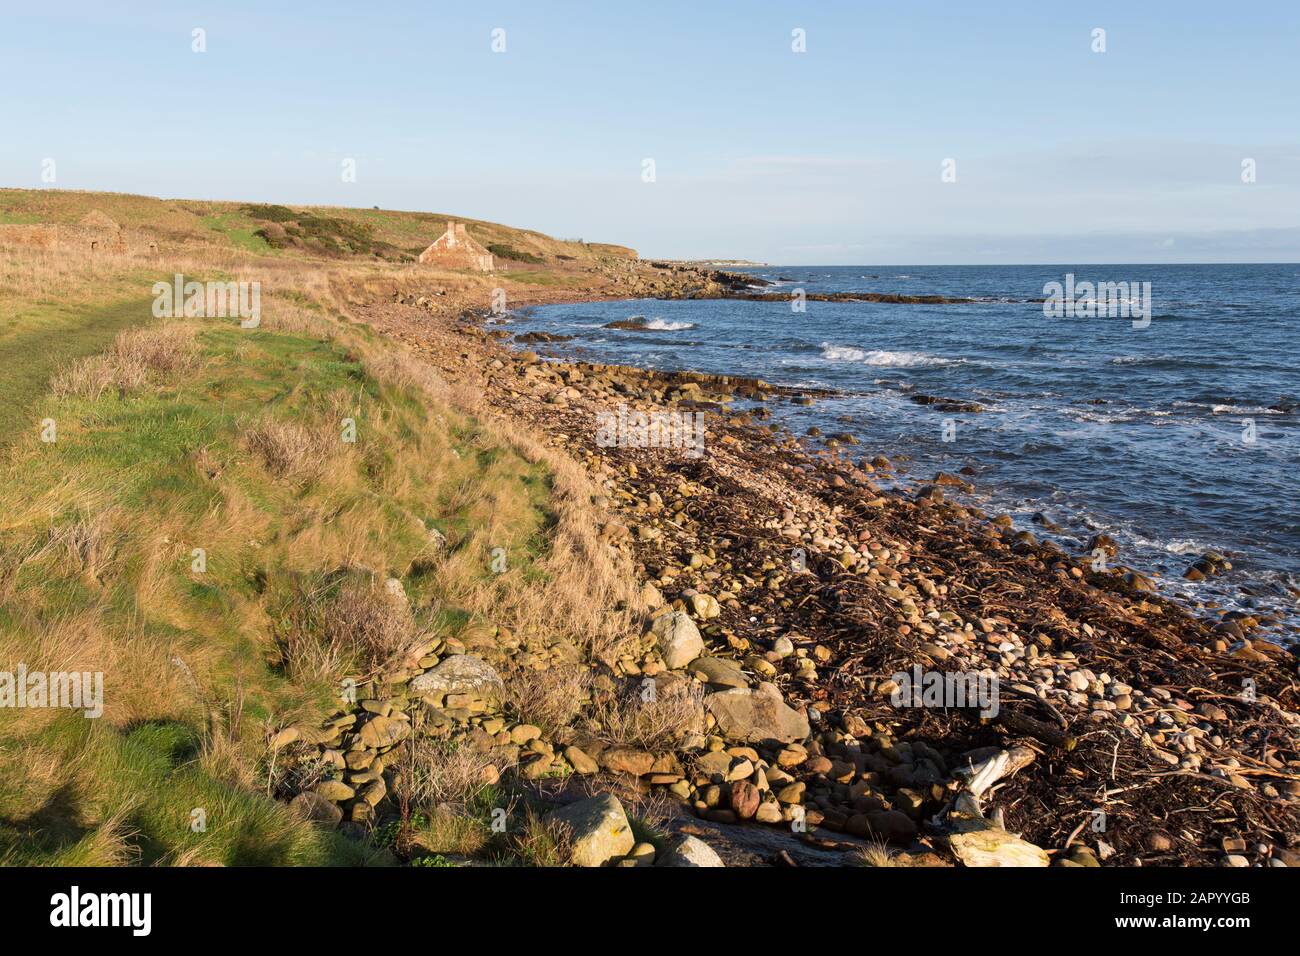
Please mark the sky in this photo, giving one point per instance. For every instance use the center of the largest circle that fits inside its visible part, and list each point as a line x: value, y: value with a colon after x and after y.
x: 904, y: 133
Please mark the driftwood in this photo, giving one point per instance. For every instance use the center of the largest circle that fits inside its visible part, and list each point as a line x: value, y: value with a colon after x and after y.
x: 981, y: 777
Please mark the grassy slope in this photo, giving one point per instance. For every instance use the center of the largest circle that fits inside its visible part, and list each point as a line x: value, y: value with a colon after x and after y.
x: 97, y: 537
x: 187, y: 220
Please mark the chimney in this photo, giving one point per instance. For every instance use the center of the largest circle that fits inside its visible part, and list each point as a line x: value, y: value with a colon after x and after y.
x: 451, y: 232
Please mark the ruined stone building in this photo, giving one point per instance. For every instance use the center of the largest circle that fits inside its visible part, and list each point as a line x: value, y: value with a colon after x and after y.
x: 454, y: 249
x: 95, y: 233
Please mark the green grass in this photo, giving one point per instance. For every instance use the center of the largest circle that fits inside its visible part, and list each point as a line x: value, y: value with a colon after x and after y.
x: 503, y: 251
x: 239, y: 231
x: 45, y: 339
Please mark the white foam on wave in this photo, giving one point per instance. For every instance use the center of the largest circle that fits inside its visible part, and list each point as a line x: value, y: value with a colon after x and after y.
x: 879, y: 357
x: 842, y: 353
x: 1225, y: 409
x: 1179, y: 547
x: 660, y: 325
x: 1243, y: 410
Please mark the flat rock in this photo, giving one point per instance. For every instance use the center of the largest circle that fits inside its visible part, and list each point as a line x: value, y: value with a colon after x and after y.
x: 597, y: 828
x: 753, y: 716
x: 461, y: 674
x: 720, y: 671
x: 628, y: 760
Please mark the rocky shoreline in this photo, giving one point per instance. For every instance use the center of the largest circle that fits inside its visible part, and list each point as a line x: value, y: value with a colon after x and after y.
x: 783, y: 593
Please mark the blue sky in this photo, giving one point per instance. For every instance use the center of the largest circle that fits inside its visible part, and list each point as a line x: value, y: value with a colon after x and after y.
x: 829, y: 156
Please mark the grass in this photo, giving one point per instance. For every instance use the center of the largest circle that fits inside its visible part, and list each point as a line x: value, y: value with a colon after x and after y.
x: 504, y: 251
x: 214, y: 530
x: 48, y: 342
x: 100, y: 529
x: 235, y: 225
x: 238, y: 231
x: 153, y: 803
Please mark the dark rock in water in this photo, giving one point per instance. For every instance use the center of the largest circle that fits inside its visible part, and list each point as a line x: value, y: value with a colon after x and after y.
x: 632, y: 324
x: 952, y: 481
x: 1041, y: 519
x: 1105, y: 543
x: 1209, y: 564
x: 946, y: 404
x: 529, y: 337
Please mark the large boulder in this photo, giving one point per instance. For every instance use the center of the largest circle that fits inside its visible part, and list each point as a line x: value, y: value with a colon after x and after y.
x: 597, y: 830
x: 461, y: 674
x: 677, y: 638
x: 753, y: 716
x: 690, y: 851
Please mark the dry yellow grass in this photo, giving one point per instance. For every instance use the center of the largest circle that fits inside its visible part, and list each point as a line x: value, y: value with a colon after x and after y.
x: 136, y: 355
x: 651, y: 721
x: 549, y: 697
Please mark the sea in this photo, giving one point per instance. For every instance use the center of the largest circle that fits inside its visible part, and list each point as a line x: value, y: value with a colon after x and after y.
x: 1164, y: 412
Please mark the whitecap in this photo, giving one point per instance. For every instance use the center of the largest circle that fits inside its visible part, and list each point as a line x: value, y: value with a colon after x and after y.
x: 842, y: 353
x: 881, y: 357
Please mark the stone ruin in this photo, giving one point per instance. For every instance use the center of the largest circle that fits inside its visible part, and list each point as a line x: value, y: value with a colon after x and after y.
x: 455, y: 249
x: 95, y: 233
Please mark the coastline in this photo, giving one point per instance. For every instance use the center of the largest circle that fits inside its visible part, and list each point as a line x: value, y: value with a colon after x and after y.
x: 1117, y: 705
